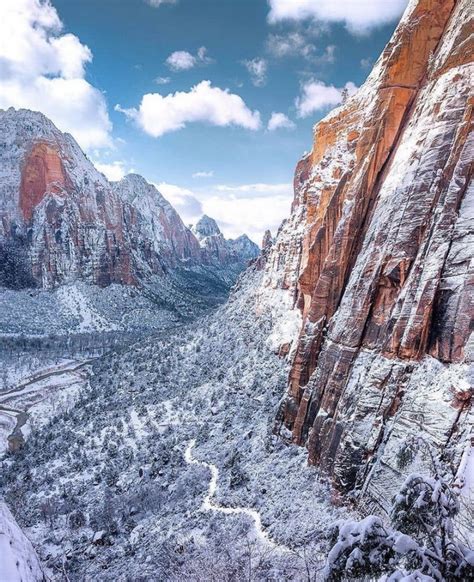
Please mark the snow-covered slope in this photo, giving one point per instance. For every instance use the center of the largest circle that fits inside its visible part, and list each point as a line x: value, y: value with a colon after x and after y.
x: 135, y: 503
x: 18, y: 559
x: 217, y: 249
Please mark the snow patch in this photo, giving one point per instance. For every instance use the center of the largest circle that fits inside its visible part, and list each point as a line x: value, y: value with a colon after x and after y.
x: 19, y: 562
x: 73, y: 302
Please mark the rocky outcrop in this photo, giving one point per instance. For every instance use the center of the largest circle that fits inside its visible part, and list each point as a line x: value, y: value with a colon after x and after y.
x: 216, y: 249
x: 378, y: 256
x: 61, y: 220
x: 19, y: 559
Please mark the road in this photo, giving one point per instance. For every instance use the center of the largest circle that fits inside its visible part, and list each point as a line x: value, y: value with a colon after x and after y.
x: 35, y: 394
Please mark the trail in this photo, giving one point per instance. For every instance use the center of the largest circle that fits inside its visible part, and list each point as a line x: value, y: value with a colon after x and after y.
x: 210, y: 505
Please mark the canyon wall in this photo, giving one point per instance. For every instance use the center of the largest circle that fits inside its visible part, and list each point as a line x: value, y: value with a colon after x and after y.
x: 378, y: 257
x: 62, y: 220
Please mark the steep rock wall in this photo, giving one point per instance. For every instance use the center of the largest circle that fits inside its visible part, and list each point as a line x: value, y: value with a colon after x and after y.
x: 382, y: 247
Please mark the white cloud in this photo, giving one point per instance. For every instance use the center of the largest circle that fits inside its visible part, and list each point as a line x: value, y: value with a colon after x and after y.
x: 162, y: 80
x: 299, y: 44
x: 257, y: 69
x: 260, y: 189
x: 292, y: 44
x: 280, y: 121
x: 366, y: 63
x: 113, y: 171
x: 183, y: 200
x: 247, y: 208
x: 183, y: 60
x: 359, y: 16
x: 204, y: 103
x: 316, y: 95
x: 209, y: 174
x: 44, y: 70
x: 328, y: 56
x: 158, y: 3
x: 238, y: 209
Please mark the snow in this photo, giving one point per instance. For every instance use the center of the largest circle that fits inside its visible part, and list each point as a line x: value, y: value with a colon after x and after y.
x: 18, y: 560
x: 41, y: 395
x: 74, y: 304
x: 287, y: 319
x: 468, y: 475
x: 210, y: 505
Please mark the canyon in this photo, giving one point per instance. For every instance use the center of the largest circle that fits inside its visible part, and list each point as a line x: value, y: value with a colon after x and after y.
x: 226, y: 443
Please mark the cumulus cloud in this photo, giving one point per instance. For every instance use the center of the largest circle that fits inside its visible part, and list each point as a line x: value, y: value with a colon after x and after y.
x: 113, y: 171
x: 209, y: 174
x: 316, y: 95
x: 359, y: 16
x: 257, y: 69
x: 249, y: 208
x: 204, y: 103
x: 291, y: 44
x: 280, y: 121
x: 44, y: 70
x: 162, y: 80
x: 257, y: 189
x: 183, y: 200
x: 300, y: 44
x: 183, y: 60
x: 238, y: 209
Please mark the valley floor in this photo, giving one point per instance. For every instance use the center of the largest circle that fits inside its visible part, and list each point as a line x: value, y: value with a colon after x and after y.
x: 110, y: 488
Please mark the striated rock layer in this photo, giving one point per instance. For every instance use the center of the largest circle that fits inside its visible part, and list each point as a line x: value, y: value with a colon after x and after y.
x: 61, y: 219
x: 378, y: 256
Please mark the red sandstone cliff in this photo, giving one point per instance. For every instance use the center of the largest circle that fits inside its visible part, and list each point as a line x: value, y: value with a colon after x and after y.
x: 378, y: 256
x: 60, y: 219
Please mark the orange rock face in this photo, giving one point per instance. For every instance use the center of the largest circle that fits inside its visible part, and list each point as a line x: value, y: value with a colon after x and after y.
x: 42, y: 173
x: 386, y: 201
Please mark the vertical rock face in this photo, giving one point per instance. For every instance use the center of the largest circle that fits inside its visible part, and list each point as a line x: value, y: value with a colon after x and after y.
x: 378, y: 254
x: 157, y: 236
x: 60, y: 219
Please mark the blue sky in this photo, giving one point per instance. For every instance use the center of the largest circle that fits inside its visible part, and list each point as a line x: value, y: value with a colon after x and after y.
x: 211, y: 149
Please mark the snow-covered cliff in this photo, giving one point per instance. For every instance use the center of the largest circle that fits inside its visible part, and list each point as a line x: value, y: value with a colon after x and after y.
x: 61, y: 220
x: 377, y: 255
x: 18, y: 559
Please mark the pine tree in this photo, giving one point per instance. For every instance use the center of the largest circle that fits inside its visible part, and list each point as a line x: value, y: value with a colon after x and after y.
x: 419, y: 540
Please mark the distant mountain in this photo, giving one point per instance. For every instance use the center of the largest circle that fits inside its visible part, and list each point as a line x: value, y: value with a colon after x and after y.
x: 217, y: 249
x: 61, y: 220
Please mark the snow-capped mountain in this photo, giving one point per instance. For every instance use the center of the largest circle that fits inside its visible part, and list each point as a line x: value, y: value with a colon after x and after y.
x: 217, y: 249
x: 62, y: 220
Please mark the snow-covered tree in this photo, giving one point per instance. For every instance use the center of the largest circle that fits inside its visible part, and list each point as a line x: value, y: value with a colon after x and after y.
x: 417, y: 545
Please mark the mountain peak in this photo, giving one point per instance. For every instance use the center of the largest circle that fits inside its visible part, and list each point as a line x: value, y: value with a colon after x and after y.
x: 206, y: 226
